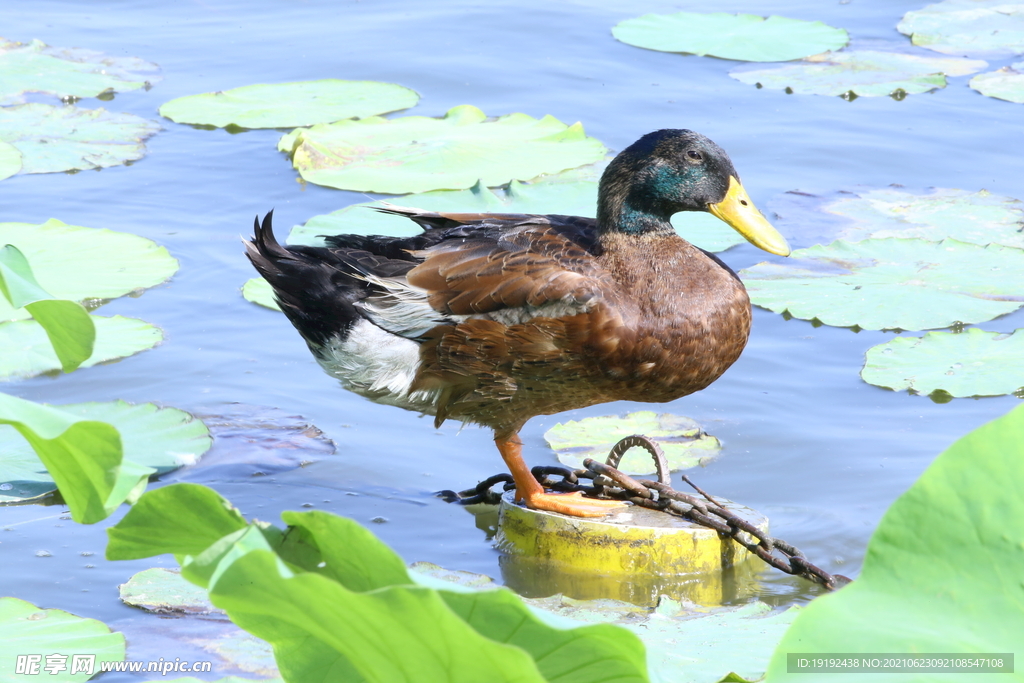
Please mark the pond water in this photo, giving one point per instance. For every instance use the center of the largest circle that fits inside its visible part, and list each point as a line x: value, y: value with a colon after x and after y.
x: 806, y: 441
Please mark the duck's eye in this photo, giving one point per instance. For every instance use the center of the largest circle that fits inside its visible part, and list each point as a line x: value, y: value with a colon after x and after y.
x: 694, y: 154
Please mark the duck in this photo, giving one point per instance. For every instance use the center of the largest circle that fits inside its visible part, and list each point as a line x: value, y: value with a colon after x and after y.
x: 494, y: 318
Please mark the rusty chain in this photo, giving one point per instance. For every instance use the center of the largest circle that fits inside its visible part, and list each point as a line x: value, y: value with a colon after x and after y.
x: 610, y: 483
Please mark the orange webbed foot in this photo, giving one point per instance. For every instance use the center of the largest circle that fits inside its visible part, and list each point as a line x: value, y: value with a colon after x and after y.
x: 572, y: 504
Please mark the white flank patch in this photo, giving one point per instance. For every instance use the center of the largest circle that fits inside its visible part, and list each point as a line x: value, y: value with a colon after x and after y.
x: 378, y: 365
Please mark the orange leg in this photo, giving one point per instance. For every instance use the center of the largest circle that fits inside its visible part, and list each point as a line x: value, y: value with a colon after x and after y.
x: 532, y: 493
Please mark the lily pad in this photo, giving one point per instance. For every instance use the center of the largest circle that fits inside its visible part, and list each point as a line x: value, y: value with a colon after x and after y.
x: 892, y: 283
x: 67, y: 72
x: 975, y: 217
x: 259, y: 291
x: 289, y: 105
x: 162, y: 590
x: 956, y: 27
x: 64, y: 641
x: 576, y: 198
x: 53, y: 139
x: 418, y: 153
x: 10, y: 160
x: 939, y: 574
x: 684, y: 442
x: 971, y: 363
x: 745, y: 37
x: 865, y: 73
x: 82, y: 264
x: 1003, y: 84
x: 27, y: 350
x: 162, y: 439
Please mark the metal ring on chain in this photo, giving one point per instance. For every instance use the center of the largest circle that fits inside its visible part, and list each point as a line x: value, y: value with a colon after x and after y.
x: 641, y: 441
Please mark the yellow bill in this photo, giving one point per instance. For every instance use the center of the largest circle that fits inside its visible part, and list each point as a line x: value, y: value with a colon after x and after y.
x: 738, y: 211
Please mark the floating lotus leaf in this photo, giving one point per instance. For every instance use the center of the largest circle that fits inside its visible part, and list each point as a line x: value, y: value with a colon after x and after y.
x: 866, y: 73
x: 29, y: 630
x: 259, y: 291
x: 289, y: 105
x: 745, y: 37
x: 976, y: 217
x: 940, y: 572
x: 67, y: 72
x: 892, y: 283
x: 27, y: 350
x: 418, y: 153
x: 956, y: 27
x: 971, y: 363
x: 81, y: 264
x: 684, y: 442
x: 576, y: 198
x: 10, y: 160
x: 163, y: 439
x: 1003, y: 84
x: 162, y: 590
x: 54, y: 139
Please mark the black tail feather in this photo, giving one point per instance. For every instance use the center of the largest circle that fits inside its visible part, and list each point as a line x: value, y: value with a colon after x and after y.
x: 313, y: 286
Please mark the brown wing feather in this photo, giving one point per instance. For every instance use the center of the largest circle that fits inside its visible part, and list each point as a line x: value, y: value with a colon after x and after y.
x: 540, y: 266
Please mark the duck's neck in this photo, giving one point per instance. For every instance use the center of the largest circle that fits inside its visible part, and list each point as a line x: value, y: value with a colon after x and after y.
x: 632, y: 213
x: 634, y: 199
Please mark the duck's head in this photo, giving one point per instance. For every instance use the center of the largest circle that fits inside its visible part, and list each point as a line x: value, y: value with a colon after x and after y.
x: 669, y: 171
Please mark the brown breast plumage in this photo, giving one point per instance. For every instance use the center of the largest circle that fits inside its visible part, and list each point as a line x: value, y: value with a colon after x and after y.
x: 647, y: 319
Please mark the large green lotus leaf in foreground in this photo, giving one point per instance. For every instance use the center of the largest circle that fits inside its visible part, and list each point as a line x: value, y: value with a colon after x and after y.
x: 683, y: 441
x: 67, y: 72
x: 685, y: 643
x: 976, y: 217
x: 26, y: 630
x: 289, y: 105
x: 892, y: 283
x: 69, y: 329
x: 418, y: 153
x: 28, y: 352
x: 337, y: 604
x: 866, y: 73
x: 55, y: 139
x: 154, y: 441
x: 745, y: 37
x: 10, y: 160
x: 942, y: 572
x: 80, y: 264
x: 83, y: 456
x: 957, y: 27
x: 1003, y: 84
x: 971, y: 363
